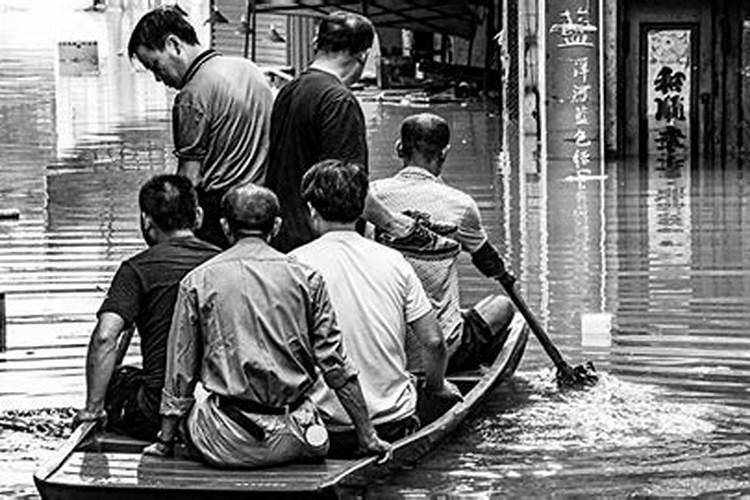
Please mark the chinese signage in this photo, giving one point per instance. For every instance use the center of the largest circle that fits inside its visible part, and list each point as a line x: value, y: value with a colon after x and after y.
x: 573, y: 98
x: 668, y: 89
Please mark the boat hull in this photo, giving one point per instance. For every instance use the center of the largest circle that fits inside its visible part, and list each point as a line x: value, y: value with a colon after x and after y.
x: 97, y: 465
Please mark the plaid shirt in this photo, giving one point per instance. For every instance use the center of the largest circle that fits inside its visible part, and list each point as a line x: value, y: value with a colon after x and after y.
x: 414, y: 188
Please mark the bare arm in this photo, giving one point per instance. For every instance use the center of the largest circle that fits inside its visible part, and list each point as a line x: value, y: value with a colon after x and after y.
x: 190, y: 169
x: 350, y: 395
x: 100, y: 363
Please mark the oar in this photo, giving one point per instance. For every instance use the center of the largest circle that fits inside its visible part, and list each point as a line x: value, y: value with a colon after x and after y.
x: 567, y: 376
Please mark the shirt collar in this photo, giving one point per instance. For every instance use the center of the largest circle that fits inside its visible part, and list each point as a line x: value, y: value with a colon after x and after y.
x: 414, y: 172
x: 340, y: 235
x: 313, y: 67
x: 197, y: 63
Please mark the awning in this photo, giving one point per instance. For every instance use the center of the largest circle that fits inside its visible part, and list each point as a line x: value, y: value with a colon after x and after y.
x: 451, y: 17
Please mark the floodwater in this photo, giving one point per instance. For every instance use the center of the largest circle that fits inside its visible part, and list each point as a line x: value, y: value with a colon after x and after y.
x: 663, y: 254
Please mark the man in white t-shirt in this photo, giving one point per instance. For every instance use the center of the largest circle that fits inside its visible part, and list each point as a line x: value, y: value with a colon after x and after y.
x: 376, y: 295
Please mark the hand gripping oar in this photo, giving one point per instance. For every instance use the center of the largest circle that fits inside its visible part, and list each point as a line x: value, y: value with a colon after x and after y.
x: 567, y: 376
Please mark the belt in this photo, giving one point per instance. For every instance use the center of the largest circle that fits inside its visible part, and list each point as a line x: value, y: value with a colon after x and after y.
x: 233, y: 408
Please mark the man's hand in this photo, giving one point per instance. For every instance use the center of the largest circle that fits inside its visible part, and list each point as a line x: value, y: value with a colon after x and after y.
x: 448, y: 392
x: 85, y: 415
x: 373, y: 445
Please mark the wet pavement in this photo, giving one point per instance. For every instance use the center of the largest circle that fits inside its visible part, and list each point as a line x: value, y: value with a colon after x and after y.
x: 663, y: 253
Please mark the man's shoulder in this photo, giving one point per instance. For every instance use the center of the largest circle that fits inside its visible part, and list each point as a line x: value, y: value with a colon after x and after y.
x: 313, y: 83
x: 411, y: 187
x: 219, y: 71
x: 369, y: 253
x: 177, y: 253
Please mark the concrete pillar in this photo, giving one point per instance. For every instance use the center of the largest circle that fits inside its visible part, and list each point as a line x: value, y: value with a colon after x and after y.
x: 3, y: 324
x: 573, y: 84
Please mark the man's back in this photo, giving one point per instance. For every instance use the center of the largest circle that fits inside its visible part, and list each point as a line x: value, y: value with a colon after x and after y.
x: 255, y: 307
x: 375, y: 293
x: 315, y: 117
x: 143, y: 292
x: 224, y: 114
x: 415, y: 188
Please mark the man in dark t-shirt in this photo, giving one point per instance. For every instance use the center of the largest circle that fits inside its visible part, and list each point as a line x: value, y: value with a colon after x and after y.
x: 316, y: 117
x: 143, y: 293
x: 315, y: 97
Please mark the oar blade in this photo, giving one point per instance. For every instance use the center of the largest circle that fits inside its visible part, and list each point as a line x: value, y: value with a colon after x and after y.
x: 577, y: 377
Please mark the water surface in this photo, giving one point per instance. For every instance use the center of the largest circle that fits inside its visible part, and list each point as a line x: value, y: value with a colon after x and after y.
x: 665, y: 253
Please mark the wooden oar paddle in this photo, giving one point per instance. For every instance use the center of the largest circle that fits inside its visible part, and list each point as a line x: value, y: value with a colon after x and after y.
x: 567, y: 376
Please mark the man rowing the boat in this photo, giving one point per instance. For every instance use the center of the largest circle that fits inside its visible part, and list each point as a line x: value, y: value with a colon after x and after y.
x: 221, y: 112
x: 254, y: 325
x: 143, y: 293
x: 376, y: 295
x: 476, y: 336
x: 317, y: 117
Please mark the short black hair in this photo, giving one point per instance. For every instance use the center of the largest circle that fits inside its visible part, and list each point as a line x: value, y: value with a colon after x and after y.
x: 152, y: 30
x: 426, y: 134
x: 336, y: 189
x: 344, y: 32
x: 170, y: 200
x: 249, y: 207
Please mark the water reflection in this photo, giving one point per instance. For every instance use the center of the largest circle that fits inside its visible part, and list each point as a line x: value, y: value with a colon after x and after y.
x: 664, y: 252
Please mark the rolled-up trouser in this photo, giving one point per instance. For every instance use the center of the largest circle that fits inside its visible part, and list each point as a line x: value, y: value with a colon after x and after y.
x: 223, y: 442
x: 486, y: 328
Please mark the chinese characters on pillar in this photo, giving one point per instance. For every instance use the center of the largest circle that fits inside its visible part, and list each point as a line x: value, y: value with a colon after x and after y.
x: 575, y: 41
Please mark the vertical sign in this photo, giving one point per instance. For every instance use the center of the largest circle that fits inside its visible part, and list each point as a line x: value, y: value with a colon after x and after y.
x: 573, y: 88
x: 668, y: 87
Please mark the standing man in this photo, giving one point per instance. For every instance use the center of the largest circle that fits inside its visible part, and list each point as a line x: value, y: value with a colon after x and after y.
x: 252, y: 324
x: 221, y: 114
x: 376, y: 296
x: 316, y: 117
x: 476, y: 336
x: 143, y: 293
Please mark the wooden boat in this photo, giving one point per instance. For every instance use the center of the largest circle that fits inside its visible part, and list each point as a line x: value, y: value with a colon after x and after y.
x: 93, y: 464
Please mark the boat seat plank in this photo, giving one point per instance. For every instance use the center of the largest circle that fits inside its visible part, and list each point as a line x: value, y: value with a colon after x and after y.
x: 134, y: 469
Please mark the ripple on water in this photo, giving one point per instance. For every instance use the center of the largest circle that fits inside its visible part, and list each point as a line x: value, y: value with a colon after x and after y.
x: 618, y: 438
x: 614, y: 414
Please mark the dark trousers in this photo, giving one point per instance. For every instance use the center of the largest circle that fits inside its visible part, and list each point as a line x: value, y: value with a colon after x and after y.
x: 479, y: 344
x: 124, y: 403
x: 210, y: 231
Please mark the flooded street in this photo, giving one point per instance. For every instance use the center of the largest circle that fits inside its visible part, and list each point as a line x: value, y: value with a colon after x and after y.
x: 664, y: 254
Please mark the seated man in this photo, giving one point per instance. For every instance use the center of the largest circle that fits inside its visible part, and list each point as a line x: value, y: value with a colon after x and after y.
x: 143, y: 293
x: 252, y: 324
x: 375, y: 294
x: 476, y: 336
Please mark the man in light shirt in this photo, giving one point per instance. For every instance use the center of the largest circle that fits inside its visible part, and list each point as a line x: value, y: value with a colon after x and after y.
x: 376, y: 296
